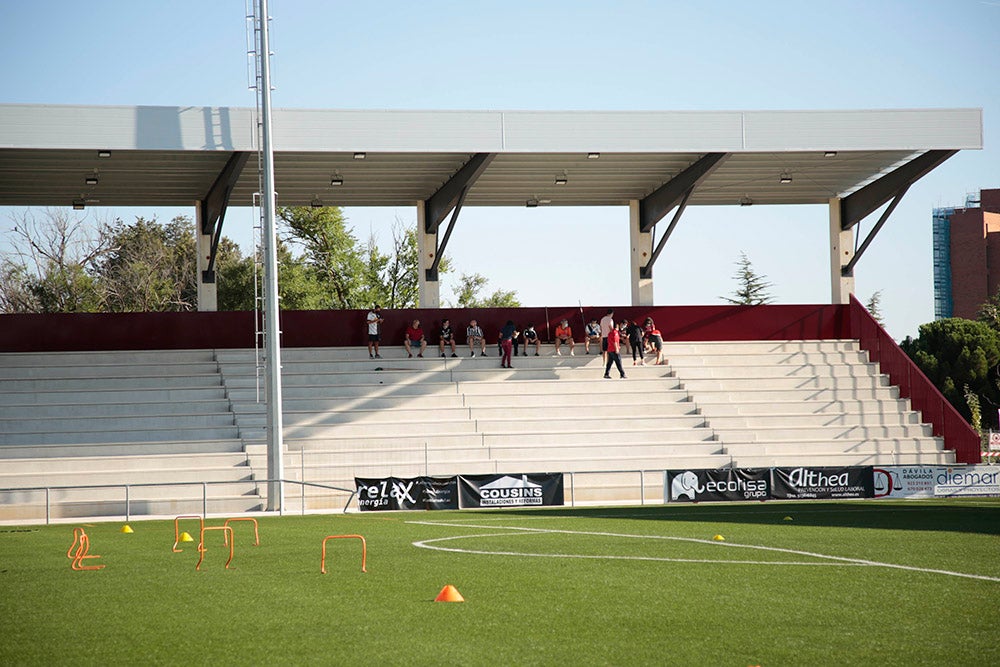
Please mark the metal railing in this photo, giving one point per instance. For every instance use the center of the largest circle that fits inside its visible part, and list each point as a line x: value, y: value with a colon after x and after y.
x: 127, y: 493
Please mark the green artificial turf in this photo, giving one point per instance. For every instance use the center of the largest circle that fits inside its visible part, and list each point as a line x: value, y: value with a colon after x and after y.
x: 583, y: 586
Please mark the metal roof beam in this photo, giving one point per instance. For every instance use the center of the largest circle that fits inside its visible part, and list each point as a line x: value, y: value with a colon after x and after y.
x: 647, y: 270
x: 848, y: 270
x: 855, y: 207
x: 442, y: 202
x: 656, y: 205
x: 214, y: 204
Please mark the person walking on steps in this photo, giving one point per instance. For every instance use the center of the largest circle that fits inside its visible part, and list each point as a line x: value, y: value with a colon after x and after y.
x: 614, y: 345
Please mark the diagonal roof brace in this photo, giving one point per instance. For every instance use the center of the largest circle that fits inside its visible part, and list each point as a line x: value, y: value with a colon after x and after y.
x: 855, y: 207
x: 657, y: 204
x: 431, y: 273
x: 848, y: 270
x: 647, y: 270
x: 214, y: 204
x: 441, y: 203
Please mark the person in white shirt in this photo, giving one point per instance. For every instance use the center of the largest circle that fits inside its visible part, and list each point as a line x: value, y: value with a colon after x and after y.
x: 474, y: 334
x: 374, y: 321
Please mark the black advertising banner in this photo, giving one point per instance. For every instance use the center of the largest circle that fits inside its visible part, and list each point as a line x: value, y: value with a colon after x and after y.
x: 823, y: 483
x: 406, y: 493
x: 511, y: 491
x: 714, y: 485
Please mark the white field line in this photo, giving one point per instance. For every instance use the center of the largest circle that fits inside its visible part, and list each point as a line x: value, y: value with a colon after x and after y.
x: 838, y: 560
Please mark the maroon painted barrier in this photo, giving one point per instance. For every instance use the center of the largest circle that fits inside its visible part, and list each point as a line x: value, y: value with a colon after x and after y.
x: 935, y: 409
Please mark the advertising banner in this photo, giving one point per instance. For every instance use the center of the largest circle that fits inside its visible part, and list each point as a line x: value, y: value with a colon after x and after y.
x: 402, y: 493
x: 936, y: 481
x: 511, y: 491
x: 904, y: 481
x: 715, y: 485
x: 822, y: 483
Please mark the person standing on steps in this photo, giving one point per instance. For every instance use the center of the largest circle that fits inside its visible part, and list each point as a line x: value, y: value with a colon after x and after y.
x: 374, y: 321
x: 507, y: 343
x: 607, y: 323
x: 614, y: 345
x: 634, y: 333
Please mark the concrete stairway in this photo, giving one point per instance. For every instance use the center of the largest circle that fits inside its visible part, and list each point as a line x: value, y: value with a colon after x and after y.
x: 185, y: 418
x: 803, y: 403
x: 116, y: 418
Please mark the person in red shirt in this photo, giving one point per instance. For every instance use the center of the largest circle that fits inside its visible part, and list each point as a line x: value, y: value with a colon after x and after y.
x: 414, y: 337
x: 564, y: 336
x: 614, y: 345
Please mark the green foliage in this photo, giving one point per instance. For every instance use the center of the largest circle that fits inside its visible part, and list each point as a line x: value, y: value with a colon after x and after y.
x: 874, y: 307
x: 149, y: 267
x: 751, y: 289
x: 959, y: 356
x: 470, y: 285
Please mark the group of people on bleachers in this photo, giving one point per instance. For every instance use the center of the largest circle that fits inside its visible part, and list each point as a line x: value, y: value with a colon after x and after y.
x: 640, y: 341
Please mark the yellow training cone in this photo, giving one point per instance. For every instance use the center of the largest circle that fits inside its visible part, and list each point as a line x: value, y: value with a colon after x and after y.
x: 126, y: 529
x: 719, y: 538
x: 449, y: 594
x: 788, y: 518
x: 186, y: 537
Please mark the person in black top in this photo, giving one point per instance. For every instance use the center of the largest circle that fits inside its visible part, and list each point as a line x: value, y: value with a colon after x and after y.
x: 634, y: 332
x: 531, y: 338
x: 447, y: 337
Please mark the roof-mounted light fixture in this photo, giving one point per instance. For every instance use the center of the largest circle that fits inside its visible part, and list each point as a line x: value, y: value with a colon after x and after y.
x: 79, y: 204
x: 830, y: 154
x: 531, y: 203
x: 337, y: 180
x: 103, y: 153
x: 360, y: 155
x: 316, y: 202
x: 785, y: 177
x: 746, y: 201
x: 92, y: 180
x: 562, y: 180
x: 593, y: 156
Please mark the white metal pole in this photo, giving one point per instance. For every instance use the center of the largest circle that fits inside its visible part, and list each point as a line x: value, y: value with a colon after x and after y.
x: 272, y: 343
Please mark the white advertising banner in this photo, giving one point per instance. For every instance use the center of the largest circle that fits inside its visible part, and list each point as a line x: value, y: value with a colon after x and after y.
x: 936, y: 481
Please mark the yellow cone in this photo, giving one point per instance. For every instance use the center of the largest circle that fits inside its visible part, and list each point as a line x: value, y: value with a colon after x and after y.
x: 186, y: 537
x: 449, y: 594
x: 126, y: 529
x: 788, y: 518
x: 719, y: 538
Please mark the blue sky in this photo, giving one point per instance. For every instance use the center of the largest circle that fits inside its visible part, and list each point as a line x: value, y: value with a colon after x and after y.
x: 629, y: 55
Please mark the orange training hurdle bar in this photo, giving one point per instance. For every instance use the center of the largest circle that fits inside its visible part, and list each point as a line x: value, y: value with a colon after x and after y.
x: 256, y: 534
x: 82, y: 545
x: 177, y: 531
x: 364, y: 551
x: 227, y: 531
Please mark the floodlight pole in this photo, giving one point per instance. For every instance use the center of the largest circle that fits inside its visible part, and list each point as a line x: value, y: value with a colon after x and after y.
x: 272, y: 342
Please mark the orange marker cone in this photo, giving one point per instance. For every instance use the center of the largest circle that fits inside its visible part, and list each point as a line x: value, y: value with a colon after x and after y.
x: 449, y: 594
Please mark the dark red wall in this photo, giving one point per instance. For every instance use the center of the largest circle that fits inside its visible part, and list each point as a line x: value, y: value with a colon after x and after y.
x: 337, y: 328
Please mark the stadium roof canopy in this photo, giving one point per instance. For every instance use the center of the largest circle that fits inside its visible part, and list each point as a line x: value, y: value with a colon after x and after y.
x: 172, y: 156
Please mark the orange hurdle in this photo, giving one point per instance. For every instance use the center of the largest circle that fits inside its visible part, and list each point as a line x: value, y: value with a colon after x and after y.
x: 226, y: 531
x: 364, y: 551
x: 177, y: 530
x: 82, y: 545
x: 256, y: 535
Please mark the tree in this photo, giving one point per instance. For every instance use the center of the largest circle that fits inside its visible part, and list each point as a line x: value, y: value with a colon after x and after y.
x: 874, y: 307
x: 955, y: 353
x: 331, y: 254
x: 752, y: 289
x: 149, y: 267
x: 468, y: 294
x: 47, y: 269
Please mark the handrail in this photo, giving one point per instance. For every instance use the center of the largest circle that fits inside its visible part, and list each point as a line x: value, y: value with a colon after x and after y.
x: 204, y: 497
x: 946, y: 421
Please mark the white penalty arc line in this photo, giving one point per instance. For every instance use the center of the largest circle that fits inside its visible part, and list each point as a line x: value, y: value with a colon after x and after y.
x: 838, y: 560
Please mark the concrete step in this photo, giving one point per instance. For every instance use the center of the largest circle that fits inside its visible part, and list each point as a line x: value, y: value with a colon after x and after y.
x: 887, y: 446
x: 95, y: 384
x: 121, y: 357
x: 163, y: 462
x: 845, y: 459
x: 620, y: 409
x: 325, y: 391
x: 426, y: 428
x: 818, y: 407
x: 714, y: 348
x: 784, y: 383
x: 129, y: 476
x: 774, y: 370
x: 46, y: 451
x: 430, y: 402
x: 583, y: 436
x: 107, y: 371
x: 681, y: 360
x: 123, y: 436
x: 84, y: 410
x: 716, y: 395
x: 726, y: 424
x: 848, y: 433
x: 71, y: 424
x: 33, y: 509
x: 99, y: 396
x: 604, y: 423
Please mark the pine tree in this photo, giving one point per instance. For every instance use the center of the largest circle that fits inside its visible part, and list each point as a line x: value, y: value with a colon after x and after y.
x: 752, y: 289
